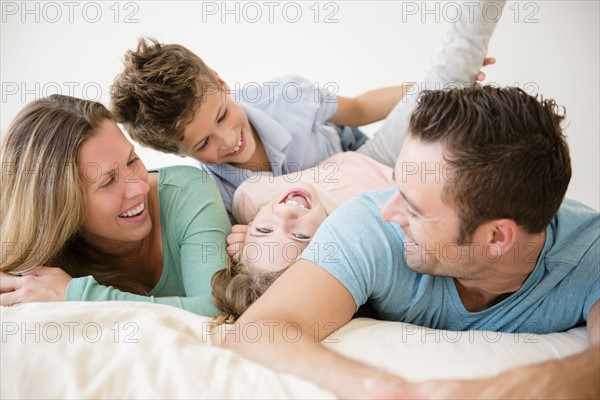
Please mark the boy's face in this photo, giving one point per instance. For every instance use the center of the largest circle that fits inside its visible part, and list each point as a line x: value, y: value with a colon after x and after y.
x: 219, y: 132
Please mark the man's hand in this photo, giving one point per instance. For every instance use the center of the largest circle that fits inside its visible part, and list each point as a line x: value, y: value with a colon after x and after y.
x: 41, y: 284
x: 235, y: 241
x: 575, y: 377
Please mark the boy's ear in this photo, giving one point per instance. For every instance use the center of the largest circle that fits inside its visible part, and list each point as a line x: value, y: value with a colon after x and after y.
x: 223, y: 84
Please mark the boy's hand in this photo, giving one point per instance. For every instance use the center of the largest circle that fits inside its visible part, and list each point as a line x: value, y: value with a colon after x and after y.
x: 235, y: 241
x: 487, y: 61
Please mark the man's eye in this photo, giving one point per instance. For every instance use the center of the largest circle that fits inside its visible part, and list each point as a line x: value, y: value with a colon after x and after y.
x: 264, y: 230
x: 301, y: 236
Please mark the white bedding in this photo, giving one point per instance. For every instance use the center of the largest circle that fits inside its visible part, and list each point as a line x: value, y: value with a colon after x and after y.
x: 141, y: 350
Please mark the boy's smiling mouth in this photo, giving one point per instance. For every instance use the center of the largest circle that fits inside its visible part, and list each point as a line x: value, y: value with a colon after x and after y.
x: 239, y: 148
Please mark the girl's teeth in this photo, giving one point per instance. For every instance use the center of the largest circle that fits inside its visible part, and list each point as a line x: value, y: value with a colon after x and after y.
x: 294, y: 203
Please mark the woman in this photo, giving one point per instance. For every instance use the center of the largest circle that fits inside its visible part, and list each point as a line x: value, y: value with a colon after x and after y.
x: 273, y: 240
x: 82, y: 218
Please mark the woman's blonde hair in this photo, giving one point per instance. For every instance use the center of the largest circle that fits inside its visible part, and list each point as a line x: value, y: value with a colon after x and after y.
x: 42, y: 204
x: 236, y: 287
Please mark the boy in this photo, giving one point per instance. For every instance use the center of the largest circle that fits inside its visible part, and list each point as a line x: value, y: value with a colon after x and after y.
x: 170, y: 100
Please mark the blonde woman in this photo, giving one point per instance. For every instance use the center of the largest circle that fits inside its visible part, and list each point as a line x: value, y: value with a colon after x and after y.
x: 82, y: 218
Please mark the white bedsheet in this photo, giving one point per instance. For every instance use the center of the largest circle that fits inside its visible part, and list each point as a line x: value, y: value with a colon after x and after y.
x: 141, y: 350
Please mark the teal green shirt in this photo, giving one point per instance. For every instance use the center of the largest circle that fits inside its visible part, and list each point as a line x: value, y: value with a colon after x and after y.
x: 194, y: 227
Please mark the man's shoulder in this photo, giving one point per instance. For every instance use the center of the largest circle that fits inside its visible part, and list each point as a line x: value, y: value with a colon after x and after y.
x: 576, y: 231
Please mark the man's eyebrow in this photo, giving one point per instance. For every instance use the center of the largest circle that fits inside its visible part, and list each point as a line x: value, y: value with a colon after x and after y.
x: 411, y: 204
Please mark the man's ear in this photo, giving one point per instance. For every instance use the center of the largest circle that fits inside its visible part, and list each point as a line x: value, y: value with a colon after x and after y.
x: 502, y: 235
x: 223, y: 84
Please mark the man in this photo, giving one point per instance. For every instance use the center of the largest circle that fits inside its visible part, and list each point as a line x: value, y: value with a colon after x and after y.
x: 476, y: 235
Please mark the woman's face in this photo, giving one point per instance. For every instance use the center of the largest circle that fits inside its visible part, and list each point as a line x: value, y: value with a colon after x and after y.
x: 283, y: 228
x: 116, y: 189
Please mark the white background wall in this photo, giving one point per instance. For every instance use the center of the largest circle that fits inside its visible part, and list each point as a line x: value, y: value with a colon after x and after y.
x: 76, y: 47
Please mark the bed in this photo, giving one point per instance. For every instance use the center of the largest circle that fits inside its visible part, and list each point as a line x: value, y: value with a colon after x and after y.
x: 143, y: 350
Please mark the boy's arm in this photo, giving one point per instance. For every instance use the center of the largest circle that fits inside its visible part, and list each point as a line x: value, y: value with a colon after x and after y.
x: 375, y: 105
x: 369, y: 107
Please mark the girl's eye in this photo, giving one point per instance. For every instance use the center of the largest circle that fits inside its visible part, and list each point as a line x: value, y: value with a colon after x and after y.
x: 224, y: 116
x: 300, y: 236
x: 264, y: 230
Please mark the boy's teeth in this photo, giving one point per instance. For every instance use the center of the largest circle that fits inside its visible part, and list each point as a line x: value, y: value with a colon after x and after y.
x: 135, y: 211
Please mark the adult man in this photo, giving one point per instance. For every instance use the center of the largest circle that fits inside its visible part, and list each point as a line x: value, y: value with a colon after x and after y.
x: 476, y: 235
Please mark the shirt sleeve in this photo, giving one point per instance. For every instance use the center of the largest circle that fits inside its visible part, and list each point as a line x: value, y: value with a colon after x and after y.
x: 201, y: 226
x: 195, y: 226
x: 87, y: 289
x: 593, y: 292
x: 357, y: 251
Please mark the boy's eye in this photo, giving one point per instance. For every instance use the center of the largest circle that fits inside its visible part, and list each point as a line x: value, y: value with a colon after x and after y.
x: 203, y: 146
x: 224, y: 116
x: 133, y: 160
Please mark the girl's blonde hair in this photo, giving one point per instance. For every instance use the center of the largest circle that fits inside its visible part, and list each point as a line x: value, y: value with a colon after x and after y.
x: 236, y: 287
x: 42, y: 204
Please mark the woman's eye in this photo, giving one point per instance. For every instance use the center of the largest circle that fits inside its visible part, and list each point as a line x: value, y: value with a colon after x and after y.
x: 301, y: 236
x: 108, y: 183
x: 133, y: 161
x: 264, y: 230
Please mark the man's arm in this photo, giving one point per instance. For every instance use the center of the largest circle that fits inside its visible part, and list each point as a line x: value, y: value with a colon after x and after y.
x: 574, y: 377
x: 300, y: 309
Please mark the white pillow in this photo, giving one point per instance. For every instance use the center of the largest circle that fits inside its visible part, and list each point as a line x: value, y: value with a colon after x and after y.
x: 142, y: 350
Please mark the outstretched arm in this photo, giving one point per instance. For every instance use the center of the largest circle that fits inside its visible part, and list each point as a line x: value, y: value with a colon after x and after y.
x: 375, y: 105
x: 369, y: 107
x: 574, y: 377
x: 292, y: 329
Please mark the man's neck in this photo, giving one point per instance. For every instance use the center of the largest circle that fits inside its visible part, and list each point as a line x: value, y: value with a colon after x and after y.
x: 504, y: 276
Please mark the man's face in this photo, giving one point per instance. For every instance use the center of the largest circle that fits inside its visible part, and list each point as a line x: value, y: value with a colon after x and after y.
x: 429, y: 224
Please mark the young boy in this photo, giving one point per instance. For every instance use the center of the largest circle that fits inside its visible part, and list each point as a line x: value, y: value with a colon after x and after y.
x: 170, y: 100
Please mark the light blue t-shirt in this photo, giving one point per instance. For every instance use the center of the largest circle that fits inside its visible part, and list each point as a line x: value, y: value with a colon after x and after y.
x: 557, y: 295
x: 290, y: 117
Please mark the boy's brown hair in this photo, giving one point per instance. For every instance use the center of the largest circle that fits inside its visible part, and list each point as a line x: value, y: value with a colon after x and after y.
x: 159, y: 90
